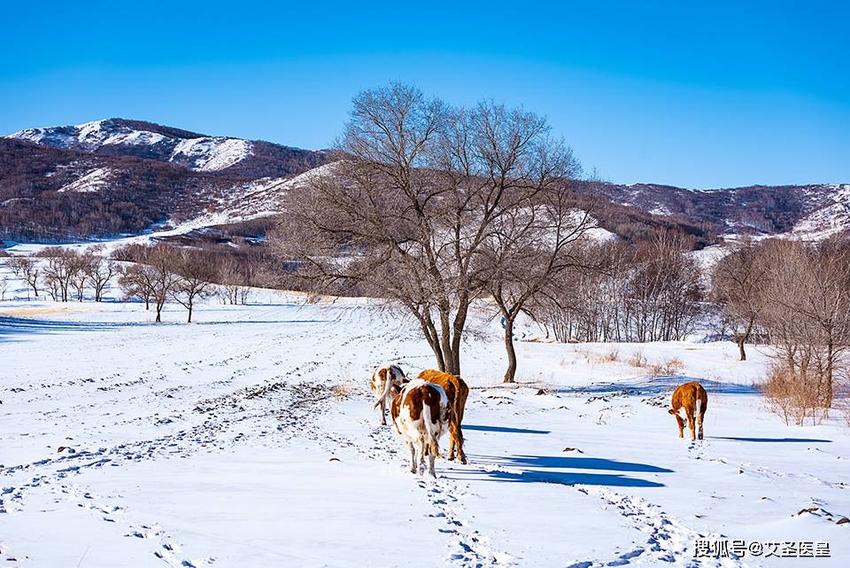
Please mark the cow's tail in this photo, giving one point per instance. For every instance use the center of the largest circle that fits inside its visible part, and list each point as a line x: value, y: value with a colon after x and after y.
x: 388, y: 385
x: 432, y: 441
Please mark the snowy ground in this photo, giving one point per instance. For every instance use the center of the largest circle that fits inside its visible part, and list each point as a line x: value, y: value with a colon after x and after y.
x: 248, y: 439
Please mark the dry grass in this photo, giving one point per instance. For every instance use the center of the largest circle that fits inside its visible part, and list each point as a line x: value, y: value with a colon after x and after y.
x: 792, y: 397
x: 672, y: 366
x: 638, y: 359
x: 41, y: 311
x: 342, y: 390
x: 611, y: 356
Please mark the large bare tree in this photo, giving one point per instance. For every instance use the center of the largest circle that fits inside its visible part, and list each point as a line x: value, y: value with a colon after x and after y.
x: 407, y: 211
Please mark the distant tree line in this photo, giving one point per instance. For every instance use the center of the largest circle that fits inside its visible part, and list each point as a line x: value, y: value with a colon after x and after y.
x: 153, y: 274
x: 649, y: 291
x: 157, y: 274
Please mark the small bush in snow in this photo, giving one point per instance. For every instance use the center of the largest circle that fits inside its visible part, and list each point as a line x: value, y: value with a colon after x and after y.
x: 637, y: 359
x: 793, y: 394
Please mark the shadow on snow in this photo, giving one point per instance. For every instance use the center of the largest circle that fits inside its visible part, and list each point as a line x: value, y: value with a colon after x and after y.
x: 656, y: 385
x: 774, y: 440
x: 548, y: 469
x: 503, y: 429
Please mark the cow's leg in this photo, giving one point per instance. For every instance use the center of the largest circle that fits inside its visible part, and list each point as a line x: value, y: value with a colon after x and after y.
x: 383, y: 411
x: 700, y: 419
x: 412, y: 457
x: 421, y: 464
x: 681, y: 424
x: 456, y: 442
x: 461, y: 456
x: 692, y: 426
x: 431, y: 458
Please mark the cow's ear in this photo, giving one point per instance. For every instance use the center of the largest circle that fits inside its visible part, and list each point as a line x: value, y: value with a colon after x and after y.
x: 671, y: 411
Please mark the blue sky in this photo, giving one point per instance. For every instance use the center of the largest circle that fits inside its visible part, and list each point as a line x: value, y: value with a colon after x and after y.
x: 689, y: 93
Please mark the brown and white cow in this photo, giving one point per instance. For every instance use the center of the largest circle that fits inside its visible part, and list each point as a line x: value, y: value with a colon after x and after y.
x: 693, y: 400
x: 421, y: 414
x: 457, y: 391
x: 387, y: 382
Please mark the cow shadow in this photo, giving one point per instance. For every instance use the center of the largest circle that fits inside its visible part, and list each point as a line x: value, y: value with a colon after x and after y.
x: 563, y: 470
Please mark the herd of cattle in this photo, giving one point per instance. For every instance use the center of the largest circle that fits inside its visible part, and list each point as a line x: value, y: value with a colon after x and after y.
x: 424, y: 408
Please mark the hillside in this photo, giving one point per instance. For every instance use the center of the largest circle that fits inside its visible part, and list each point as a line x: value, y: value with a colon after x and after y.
x: 112, y: 177
x: 118, y: 176
x: 807, y: 211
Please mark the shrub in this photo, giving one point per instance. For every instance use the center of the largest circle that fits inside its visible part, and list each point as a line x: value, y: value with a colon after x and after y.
x: 637, y: 359
x: 792, y: 395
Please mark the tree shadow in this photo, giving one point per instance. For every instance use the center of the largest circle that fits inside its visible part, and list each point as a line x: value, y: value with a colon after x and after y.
x: 770, y: 440
x: 558, y: 477
x: 656, y: 385
x: 567, y: 462
x: 549, y: 469
x: 277, y: 321
x: 11, y: 326
x: 503, y: 429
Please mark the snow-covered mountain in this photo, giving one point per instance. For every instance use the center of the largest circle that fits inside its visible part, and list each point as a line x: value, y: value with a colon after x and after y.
x: 197, y: 152
x: 145, y: 140
x: 811, y: 212
x: 119, y: 176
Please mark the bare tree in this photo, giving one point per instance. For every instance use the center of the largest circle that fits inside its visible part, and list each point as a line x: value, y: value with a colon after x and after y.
x: 153, y: 279
x: 645, y: 292
x: 100, y: 272
x: 61, y: 267
x: 196, y: 276
x: 807, y: 314
x: 406, y: 214
x: 80, y: 264
x: 26, y: 269
x: 134, y: 282
x: 236, y: 277
x: 738, y: 282
x: 528, y: 248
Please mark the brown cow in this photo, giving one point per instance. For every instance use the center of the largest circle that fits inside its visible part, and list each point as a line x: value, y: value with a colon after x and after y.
x: 421, y: 413
x: 387, y: 382
x: 457, y: 391
x: 693, y: 399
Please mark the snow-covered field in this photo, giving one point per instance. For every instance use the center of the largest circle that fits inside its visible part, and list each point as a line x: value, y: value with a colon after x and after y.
x: 248, y: 439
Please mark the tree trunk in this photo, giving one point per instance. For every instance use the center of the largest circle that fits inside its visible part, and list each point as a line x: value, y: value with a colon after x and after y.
x: 510, y: 373
x: 741, y: 340
x: 190, y: 312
